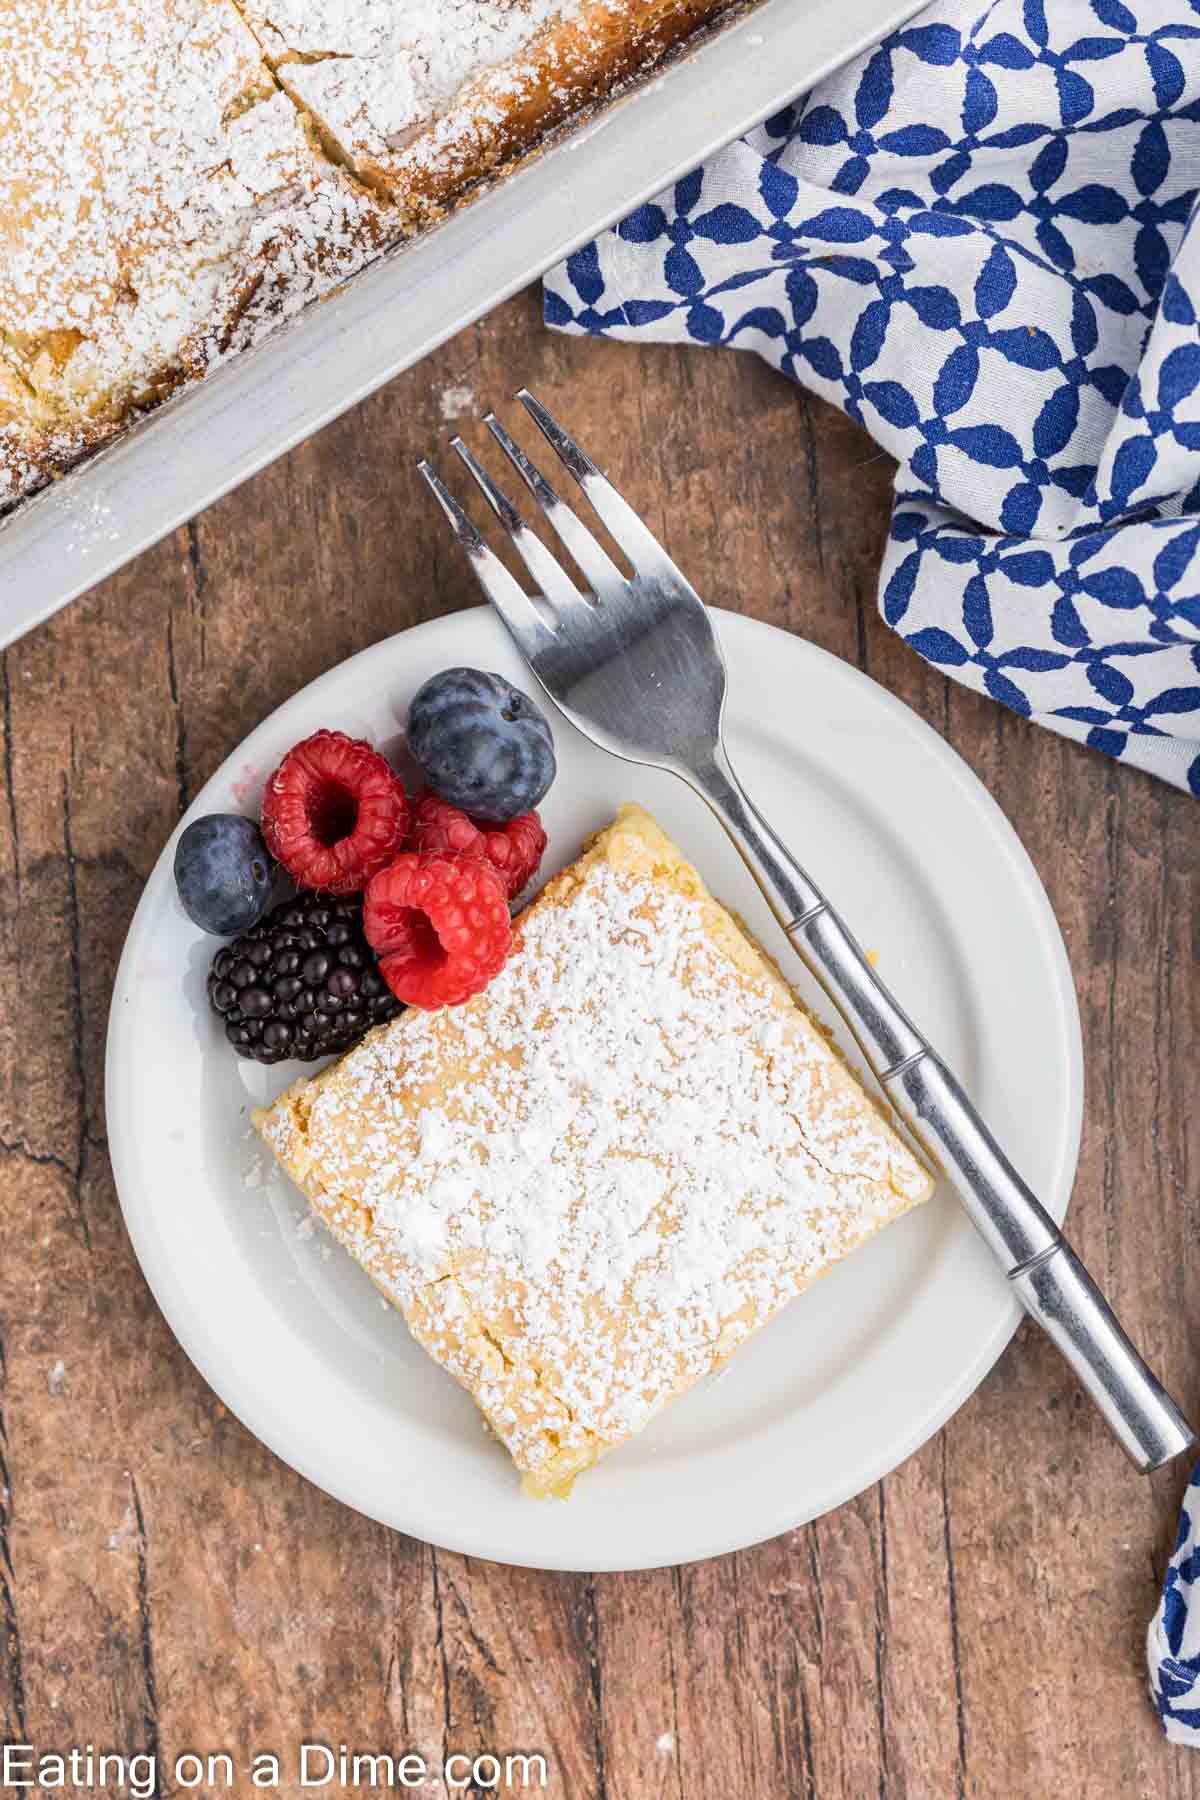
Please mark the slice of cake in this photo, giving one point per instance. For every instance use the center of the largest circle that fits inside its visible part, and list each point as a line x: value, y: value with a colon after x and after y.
x: 585, y: 1188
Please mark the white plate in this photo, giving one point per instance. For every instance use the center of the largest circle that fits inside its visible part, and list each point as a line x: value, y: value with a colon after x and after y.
x: 841, y: 1387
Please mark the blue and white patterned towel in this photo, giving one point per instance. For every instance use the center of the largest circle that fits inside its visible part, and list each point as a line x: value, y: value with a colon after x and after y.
x: 1173, y: 1641
x: 979, y: 240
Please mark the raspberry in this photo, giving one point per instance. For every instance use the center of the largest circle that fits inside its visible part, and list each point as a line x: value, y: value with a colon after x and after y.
x: 513, y: 849
x: 334, y: 812
x: 439, y: 925
x: 438, y: 828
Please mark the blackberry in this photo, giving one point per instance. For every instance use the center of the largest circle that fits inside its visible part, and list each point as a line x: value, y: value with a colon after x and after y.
x: 303, y: 982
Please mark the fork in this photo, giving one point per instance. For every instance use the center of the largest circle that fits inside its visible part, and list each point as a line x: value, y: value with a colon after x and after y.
x: 634, y: 664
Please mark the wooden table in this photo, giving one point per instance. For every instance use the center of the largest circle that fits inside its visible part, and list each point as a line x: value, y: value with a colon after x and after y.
x: 971, y: 1626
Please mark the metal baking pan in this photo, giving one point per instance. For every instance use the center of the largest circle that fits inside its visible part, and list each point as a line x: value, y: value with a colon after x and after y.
x: 209, y: 438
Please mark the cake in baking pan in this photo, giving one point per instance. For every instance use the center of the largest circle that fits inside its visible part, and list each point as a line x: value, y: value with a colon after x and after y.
x: 180, y: 175
x: 159, y: 198
x: 589, y: 1185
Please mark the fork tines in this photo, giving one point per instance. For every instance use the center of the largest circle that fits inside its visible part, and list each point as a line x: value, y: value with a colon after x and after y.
x: 604, y: 580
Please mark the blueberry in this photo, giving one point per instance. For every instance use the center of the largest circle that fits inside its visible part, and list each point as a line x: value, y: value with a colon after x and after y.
x: 224, y: 875
x: 482, y: 744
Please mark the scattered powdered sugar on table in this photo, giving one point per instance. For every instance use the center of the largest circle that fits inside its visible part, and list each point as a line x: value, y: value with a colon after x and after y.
x: 126, y: 1531
x: 456, y: 402
x: 610, y: 1168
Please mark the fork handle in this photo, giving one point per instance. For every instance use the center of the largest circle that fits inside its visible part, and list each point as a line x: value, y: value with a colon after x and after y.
x: 1046, y: 1275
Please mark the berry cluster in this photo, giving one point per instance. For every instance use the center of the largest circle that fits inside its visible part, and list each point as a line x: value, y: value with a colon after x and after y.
x: 399, y: 904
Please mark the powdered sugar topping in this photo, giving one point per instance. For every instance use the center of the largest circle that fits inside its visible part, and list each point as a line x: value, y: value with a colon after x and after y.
x: 374, y: 72
x: 612, y: 1166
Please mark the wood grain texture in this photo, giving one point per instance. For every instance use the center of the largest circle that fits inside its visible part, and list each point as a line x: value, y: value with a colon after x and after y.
x: 972, y: 1627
